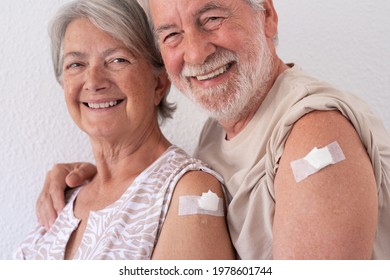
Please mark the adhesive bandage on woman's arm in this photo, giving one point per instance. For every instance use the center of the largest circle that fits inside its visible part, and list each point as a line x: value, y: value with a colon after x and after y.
x: 208, y: 204
x: 316, y: 160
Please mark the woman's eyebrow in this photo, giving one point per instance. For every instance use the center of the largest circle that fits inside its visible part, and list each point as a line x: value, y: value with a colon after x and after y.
x: 74, y: 54
x: 77, y: 54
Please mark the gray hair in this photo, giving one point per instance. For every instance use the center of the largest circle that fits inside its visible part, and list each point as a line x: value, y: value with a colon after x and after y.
x: 255, y: 4
x: 124, y: 20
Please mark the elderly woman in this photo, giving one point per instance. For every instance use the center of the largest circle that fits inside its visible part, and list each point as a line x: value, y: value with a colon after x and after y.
x: 140, y: 204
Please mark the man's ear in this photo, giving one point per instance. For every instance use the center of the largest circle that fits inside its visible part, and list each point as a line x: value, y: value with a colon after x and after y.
x: 271, y: 19
x: 162, y: 86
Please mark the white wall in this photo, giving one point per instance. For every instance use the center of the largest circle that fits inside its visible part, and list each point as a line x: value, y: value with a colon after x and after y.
x: 344, y: 42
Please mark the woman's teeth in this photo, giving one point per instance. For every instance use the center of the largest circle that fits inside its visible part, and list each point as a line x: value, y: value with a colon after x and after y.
x: 102, y: 105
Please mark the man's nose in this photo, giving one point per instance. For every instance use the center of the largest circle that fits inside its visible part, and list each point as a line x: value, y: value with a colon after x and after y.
x: 197, y: 47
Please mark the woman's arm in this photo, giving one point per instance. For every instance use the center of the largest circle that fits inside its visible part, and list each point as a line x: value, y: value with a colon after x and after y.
x: 197, y: 236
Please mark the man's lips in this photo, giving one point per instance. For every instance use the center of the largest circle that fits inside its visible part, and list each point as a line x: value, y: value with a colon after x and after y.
x: 214, y: 73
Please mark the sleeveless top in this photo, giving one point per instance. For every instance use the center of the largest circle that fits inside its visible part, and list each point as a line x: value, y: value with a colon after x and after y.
x: 127, y: 229
x: 248, y: 163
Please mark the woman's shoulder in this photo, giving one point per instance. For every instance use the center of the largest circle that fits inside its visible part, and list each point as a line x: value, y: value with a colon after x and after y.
x: 178, y: 162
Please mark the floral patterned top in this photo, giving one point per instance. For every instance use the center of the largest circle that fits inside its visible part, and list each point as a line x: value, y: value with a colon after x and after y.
x: 128, y: 228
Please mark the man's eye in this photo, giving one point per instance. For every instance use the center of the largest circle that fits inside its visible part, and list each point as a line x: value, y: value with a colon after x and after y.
x: 170, y: 36
x: 213, y: 22
x: 213, y: 19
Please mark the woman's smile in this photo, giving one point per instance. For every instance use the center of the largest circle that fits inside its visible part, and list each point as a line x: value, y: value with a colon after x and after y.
x: 103, y: 105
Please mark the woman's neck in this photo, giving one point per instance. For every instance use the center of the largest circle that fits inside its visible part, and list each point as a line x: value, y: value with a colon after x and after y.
x: 118, y: 162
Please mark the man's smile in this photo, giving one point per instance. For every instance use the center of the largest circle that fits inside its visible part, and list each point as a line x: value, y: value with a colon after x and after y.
x: 214, y: 74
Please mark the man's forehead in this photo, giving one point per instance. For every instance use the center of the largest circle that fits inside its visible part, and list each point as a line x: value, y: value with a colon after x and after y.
x: 165, y: 11
x: 162, y: 8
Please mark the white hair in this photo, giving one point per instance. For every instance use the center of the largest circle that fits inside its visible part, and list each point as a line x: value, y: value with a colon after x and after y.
x: 255, y: 4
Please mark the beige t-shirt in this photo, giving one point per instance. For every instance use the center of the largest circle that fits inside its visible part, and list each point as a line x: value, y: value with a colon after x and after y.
x: 248, y: 163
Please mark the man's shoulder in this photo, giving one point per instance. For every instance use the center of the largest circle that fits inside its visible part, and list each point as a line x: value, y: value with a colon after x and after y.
x: 297, y: 77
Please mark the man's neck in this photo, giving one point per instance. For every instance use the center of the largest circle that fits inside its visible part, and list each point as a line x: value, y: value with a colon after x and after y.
x: 233, y: 128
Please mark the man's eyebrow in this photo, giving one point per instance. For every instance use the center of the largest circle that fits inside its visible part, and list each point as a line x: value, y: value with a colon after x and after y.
x: 204, y: 9
x: 163, y: 28
x: 210, y: 6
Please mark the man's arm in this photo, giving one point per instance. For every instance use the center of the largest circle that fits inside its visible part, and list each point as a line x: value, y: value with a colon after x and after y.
x: 331, y: 214
x: 51, y: 200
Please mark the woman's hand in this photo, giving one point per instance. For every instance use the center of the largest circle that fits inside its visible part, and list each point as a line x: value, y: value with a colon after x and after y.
x: 51, y: 200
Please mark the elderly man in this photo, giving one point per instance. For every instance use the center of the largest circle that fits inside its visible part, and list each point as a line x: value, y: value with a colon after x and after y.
x: 307, y: 166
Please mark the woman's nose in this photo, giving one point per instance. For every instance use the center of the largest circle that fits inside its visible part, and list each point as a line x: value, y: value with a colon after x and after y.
x: 96, y: 79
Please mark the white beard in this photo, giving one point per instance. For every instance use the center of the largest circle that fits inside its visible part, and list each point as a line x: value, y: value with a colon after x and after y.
x: 244, y: 89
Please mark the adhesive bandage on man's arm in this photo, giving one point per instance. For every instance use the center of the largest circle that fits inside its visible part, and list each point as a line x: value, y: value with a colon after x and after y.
x: 207, y: 204
x: 316, y: 160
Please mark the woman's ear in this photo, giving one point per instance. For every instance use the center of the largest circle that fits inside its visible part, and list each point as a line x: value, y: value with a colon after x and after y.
x: 162, y: 86
x: 271, y: 19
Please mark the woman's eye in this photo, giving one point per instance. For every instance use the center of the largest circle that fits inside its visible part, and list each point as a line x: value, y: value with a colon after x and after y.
x: 73, y: 65
x: 119, y: 60
x: 118, y: 63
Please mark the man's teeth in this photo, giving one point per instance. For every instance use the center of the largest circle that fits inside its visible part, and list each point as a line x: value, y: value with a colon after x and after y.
x: 102, y: 105
x: 213, y: 74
